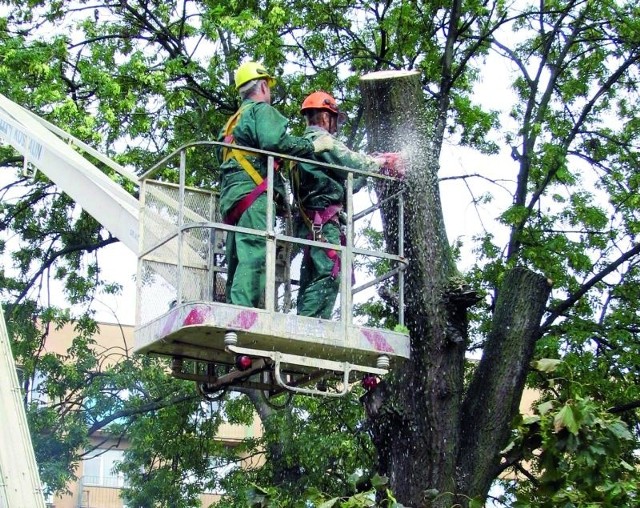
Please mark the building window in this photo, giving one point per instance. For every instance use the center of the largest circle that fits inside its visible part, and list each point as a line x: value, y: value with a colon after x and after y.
x: 98, y: 469
x: 36, y: 394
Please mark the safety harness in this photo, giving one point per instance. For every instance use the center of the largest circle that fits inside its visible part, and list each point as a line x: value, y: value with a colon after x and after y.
x: 316, y: 219
x: 240, y: 156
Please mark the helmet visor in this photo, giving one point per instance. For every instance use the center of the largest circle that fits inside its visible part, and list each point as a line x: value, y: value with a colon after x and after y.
x: 261, y: 73
x: 333, y: 107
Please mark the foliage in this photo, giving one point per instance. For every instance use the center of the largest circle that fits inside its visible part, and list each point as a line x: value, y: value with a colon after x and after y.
x: 136, y: 79
x: 317, y: 448
x: 584, y: 453
x: 378, y: 495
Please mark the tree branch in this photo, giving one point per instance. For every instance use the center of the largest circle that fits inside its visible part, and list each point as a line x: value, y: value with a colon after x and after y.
x: 569, y: 302
x: 145, y: 408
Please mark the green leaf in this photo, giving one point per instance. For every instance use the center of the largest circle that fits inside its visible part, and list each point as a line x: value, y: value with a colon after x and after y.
x: 627, y: 466
x: 508, y: 448
x: 401, y: 329
x: 329, y: 503
x: 565, y: 418
x: 620, y: 430
x: 545, y: 407
x: 379, y: 482
x: 546, y: 364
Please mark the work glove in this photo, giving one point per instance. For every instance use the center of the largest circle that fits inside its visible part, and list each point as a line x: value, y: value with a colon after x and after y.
x: 323, y: 143
x: 392, y: 164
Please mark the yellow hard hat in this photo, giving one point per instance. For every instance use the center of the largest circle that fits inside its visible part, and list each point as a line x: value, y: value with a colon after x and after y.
x: 249, y: 71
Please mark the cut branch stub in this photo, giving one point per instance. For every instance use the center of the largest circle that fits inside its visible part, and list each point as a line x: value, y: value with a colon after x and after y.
x: 391, y: 101
x: 394, y: 114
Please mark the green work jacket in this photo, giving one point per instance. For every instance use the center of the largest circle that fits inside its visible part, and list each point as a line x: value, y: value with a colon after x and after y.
x: 318, y: 187
x: 260, y: 126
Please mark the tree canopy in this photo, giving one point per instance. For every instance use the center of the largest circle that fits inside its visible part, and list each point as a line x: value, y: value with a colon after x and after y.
x: 555, y: 264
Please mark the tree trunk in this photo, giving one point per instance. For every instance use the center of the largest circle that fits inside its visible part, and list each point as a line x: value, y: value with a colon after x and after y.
x: 284, y: 475
x: 493, y: 397
x: 435, y: 450
x: 414, y: 414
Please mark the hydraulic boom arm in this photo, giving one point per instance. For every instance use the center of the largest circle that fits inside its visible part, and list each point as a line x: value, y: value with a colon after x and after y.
x: 52, y: 151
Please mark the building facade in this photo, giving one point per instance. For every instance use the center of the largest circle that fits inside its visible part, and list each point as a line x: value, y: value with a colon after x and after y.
x: 98, y: 486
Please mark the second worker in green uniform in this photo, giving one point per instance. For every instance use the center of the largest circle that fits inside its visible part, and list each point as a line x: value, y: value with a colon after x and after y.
x: 320, y: 194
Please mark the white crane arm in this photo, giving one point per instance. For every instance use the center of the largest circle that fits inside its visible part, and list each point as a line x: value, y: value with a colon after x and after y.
x: 19, y: 479
x: 51, y: 151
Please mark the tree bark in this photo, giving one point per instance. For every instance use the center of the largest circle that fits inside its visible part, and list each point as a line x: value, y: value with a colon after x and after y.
x: 437, y: 449
x: 493, y: 397
x: 413, y: 414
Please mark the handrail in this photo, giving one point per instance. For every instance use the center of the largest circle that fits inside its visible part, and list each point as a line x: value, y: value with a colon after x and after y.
x: 276, y: 155
x: 347, y: 252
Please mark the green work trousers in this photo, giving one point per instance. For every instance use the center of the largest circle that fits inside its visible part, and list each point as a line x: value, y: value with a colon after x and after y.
x: 246, y: 257
x: 318, y: 288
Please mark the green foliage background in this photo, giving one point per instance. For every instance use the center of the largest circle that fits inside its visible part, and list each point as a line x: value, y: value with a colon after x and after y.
x: 136, y: 79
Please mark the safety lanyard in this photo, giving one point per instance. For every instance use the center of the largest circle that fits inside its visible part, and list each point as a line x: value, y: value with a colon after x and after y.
x: 295, y: 178
x: 320, y: 217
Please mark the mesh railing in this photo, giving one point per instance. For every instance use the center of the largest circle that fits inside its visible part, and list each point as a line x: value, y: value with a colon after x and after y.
x: 179, y: 254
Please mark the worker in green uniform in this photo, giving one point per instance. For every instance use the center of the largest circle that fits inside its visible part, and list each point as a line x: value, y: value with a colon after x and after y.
x: 320, y: 194
x: 243, y: 198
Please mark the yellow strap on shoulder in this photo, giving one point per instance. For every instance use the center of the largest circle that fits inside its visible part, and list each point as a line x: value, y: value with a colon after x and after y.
x: 246, y: 165
x: 239, y: 155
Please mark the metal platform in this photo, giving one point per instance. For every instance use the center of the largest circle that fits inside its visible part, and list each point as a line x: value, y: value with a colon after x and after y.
x: 181, y: 280
x: 196, y: 330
